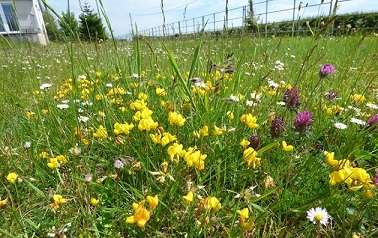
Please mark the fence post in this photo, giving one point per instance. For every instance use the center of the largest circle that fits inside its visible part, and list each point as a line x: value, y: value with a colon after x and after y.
x: 244, y: 15
x: 293, y: 23
x: 194, y: 27
x: 331, y: 12
x: 179, y: 28
x: 266, y: 18
x: 214, y: 20
x: 203, y: 22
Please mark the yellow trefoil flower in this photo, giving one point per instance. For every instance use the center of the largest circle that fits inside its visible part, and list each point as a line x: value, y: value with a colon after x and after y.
x: 188, y: 198
x: 58, y: 199
x: 249, y: 156
x: 147, y: 124
x: 212, y: 203
x: 244, y: 143
x: 53, y: 164
x: 175, y: 118
x: 94, y: 201
x: 161, y: 92
x: 194, y: 157
x: 357, y: 98
x: 141, y: 214
x: 176, y: 151
x: 249, y: 120
x: 100, y: 133
x: 122, y: 128
x: 244, y: 214
x: 230, y: 115
x: 286, y: 147
x: 204, y: 131
x: 11, y: 177
x: 153, y: 201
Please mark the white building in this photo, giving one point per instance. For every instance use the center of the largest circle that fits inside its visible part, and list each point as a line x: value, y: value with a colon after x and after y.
x: 22, y: 20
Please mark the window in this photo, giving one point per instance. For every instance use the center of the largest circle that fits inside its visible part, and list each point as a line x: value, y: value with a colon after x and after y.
x: 8, y: 18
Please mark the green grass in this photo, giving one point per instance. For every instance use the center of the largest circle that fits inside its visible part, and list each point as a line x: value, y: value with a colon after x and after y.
x: 277, y: 209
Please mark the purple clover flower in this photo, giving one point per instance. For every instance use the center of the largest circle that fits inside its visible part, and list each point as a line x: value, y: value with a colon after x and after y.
x: 326, y: 70
x: 303, y: 121
x: 88, y: 178
x: 278, y: 127
x: 330, y: 95
x: 118, y: 164
x: 371, y: 121
x: 291, y: 98
x: 255, y: 141
x: 375, y: 180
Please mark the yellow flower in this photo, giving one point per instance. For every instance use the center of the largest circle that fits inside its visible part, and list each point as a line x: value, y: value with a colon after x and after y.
x: 53, y: 163
x: 153, y: 201
x: 204, y: 131
x: 30, y: 115
x: 176, y: 151
x: 329, y: 158
x: 249, y: 156
x: 141, y: 214
x: 357, y: 98
x: 230, y: 115
x: 94, y: 201
x: 342, y: 175
x: 188, y: 198
x: 244, y: 143
x: 161, y: 92
x: 249, y: 120
x: 194, y: 157
x: 212, y: 203
x: 122, y: 128
x: 175, y: 118
x: 147, y: 124
x: 142, y: 96
x: 101, y: 133
x: 244, y: 214
x: 286, y: 147
x: 11, y: 177
x: 43, y: 155
x: 58, y: 199
x: 217, y: 131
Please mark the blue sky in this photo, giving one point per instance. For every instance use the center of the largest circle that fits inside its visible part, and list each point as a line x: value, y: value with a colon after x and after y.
x: 147, y: 13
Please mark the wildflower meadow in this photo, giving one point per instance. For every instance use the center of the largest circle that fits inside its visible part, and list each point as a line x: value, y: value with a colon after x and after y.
x: 192, y: 137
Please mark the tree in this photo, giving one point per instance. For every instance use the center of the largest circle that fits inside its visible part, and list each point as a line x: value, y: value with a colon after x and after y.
x: 91, y: 27
x: 51, y: 26
x: 250, y: 20
x: 69, y: 25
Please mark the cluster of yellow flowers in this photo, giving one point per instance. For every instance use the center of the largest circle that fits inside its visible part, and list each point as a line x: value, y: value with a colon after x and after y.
x: 56, y: 162
x: 249, y: 120
x: 143, y: 114
x: 333, y: 110
x: 356, y: 178
x: 141, y: 214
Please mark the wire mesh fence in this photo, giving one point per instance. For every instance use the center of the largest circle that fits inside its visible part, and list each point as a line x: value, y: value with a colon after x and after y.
x: 266, y: 16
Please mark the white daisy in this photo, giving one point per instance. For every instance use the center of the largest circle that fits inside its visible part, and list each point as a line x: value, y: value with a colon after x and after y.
x: 256, y: 96
x: 318, y: 215
x: 357, y: 121
x: 62, y: 106
x: 340, y: 125
x: 371, y: 105
x: 45, y: 85
x: 83, y: 119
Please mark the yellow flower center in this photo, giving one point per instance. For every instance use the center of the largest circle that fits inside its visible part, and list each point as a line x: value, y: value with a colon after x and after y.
x: 318, y: 217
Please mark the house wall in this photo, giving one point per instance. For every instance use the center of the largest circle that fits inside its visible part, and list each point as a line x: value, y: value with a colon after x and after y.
x: 31, y: 24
